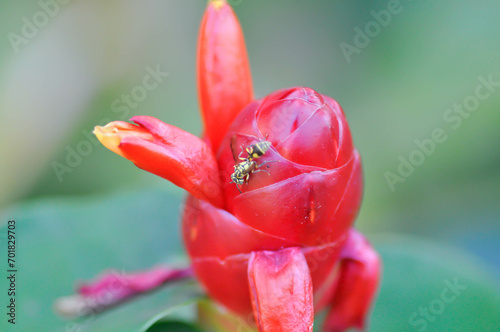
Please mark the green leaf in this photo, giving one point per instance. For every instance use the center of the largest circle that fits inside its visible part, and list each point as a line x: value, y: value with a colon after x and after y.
x: 62, y: 241
x: 173, y: 326
x: 164, y: 318
x: 454, y: 288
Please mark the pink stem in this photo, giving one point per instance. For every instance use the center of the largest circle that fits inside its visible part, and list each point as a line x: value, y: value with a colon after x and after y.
x: 114, y: 287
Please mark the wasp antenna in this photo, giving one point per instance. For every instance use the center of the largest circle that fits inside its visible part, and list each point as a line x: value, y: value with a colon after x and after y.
x: 238, y: 189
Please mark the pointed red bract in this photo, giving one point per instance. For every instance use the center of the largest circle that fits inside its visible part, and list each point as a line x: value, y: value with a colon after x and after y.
x: 166, y: 151
x: 356, y: 285
x: 224, y: 79
x: 281, y: 291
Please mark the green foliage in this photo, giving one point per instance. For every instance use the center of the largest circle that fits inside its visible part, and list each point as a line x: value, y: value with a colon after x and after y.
x: 62, y: 241
x: 416, y: 272
x: 416, y: 275
x: 173, y: 326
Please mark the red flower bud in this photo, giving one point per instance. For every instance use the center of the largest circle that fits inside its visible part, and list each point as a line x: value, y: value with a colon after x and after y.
x: 308, y: 198
x: 314, y: 174
x: 281, y: 236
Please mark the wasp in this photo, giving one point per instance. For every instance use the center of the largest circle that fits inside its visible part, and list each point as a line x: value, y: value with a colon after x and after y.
x: 248, y: 164
x: 256, y: 150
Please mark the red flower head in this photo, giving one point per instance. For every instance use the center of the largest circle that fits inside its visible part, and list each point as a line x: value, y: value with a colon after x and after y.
x: 276, y: 245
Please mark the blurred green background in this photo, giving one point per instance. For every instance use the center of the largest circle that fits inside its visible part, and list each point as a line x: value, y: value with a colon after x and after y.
x: 69, y: 72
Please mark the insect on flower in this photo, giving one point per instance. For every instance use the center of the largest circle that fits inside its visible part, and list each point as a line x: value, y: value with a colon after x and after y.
x: 265, y: 266
x: 248, y: 165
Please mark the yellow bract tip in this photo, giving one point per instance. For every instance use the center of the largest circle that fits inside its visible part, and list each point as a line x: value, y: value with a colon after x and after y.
x: 217, y: 3
x: 109, y: 137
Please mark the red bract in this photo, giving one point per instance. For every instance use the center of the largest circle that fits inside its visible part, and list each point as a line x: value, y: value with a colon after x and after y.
x: 283, y: 247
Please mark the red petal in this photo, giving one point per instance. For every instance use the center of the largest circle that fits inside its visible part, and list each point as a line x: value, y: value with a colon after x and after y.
x: 356, y: 285
x: 312, y: 142
x: 223, y: 70
x: 212, y: 232
x: 226, y: 279
x: 310, y: 209
x: 177, y: 156
x: 281, y: 290
x: 345, y: 139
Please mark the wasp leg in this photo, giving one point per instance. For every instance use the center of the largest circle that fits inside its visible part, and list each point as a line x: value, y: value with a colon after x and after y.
x: 267, y: 162
x: 261, y: 170
x: 239, y: 156
x: 264, y: 170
